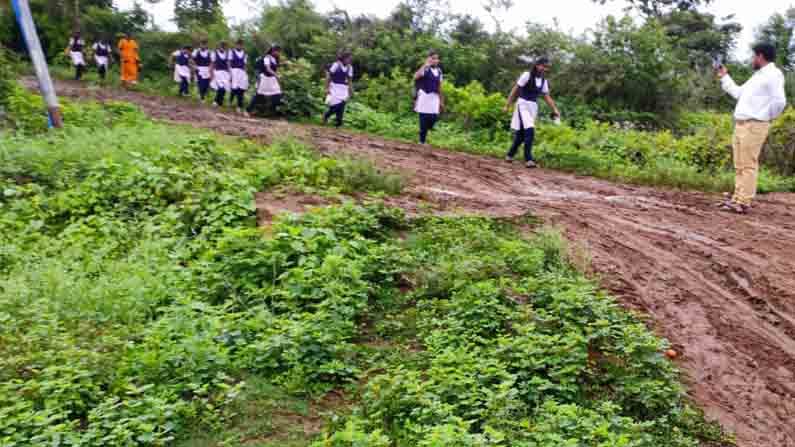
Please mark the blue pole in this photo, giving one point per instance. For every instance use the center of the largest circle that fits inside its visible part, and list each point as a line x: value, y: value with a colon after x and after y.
x: 31, y: 37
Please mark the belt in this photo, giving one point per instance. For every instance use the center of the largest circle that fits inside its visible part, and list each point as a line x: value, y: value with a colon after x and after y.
x: 750, y: 121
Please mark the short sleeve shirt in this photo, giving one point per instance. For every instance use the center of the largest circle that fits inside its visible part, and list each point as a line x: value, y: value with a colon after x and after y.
x: 525, y: 78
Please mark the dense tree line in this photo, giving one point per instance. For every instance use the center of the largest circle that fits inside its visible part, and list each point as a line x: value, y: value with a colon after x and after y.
x: 646, y: 64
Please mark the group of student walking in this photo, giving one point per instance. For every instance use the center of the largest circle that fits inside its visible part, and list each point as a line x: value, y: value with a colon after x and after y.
x: 225, y: 70
x: 102, y: 51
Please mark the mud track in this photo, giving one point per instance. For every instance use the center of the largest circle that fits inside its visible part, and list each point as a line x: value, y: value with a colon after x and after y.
x: 720, y: 287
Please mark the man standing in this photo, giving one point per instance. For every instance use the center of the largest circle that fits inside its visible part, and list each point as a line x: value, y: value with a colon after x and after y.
x: 530, y: 85
x: 203, y: 59
x: 182, y: 72
x: 759, y: 101
x: 339, y: 87
x: 130, y: 60
x: 430, y: 101
x: 102, y: 57
x: 220, y: 73
x: 76, y: 44
x: 239, y: 77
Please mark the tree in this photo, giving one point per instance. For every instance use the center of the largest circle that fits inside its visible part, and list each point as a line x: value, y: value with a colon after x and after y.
x: 656, y: 8
x: 778, y: 30
x: 190, y: 13
x: 700, y: 35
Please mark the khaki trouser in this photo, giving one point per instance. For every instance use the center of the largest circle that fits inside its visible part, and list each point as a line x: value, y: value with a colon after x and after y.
x: 749, y: 137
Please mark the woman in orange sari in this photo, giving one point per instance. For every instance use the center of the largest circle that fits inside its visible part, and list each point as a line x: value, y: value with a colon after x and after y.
x: 130, y: 60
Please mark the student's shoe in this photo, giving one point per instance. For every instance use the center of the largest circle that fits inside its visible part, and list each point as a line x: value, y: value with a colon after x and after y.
x: 246, y: 114
x: 215, y: 104
x: 736, y: 208
x: 509, y: 159
x: 238, y: 110
x: 531, y: 164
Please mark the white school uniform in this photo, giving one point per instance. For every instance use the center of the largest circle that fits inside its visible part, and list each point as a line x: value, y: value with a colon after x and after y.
x: 430, y: 103
x: 180, y: 71
x: 101, y: 61
x: 339, y: 93
x: 76, y: 56
x: 268, y: 85
x: 239, y: 77
x: 202, y: 72
x: 222, y: 79
x: 527, y: 110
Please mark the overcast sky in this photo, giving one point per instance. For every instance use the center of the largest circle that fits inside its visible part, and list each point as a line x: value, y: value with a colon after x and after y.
x: 575, y: 15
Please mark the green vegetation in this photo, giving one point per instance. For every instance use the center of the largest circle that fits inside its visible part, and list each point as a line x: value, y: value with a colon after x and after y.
x: 142, y: 306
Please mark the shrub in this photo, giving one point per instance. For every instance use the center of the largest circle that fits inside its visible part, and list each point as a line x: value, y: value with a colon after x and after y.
x: 779, y: 153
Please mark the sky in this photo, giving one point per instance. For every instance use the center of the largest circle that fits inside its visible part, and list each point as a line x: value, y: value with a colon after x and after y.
x: 572, y: 15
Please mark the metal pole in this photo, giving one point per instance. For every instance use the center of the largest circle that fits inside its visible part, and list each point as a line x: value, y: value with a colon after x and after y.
x: 25, y: 20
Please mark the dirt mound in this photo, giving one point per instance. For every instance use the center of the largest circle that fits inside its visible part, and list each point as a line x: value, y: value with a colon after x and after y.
x: 720, y: 287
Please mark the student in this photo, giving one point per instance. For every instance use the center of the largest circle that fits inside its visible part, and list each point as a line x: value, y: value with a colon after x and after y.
x: 181, y: 61
x: 339, y: 87
x: 102, y: 57
x: 530, y: 85
x: 75, y: 49
x: 760, y: 100
x: 221, y: 76
x: 130, y: 60
x: 268, y: 88
x: 239, y: 82
x: 202, y: 59
x: 430, y: 100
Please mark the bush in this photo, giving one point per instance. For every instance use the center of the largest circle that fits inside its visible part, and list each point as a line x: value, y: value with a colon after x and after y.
x: 303, y: 90
x: 779, y: 153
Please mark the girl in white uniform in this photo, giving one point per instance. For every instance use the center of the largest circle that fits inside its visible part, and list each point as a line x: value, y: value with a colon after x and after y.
x: 430, y: 101
x: 222, y: 78
x: 203, y: 60
x: 529, y: 87
x: 268, y: 88
x: 102, y: 54
x: 239, y: 78
x: 339, y: 87
x: 182, y: 69
x: 76, y: 45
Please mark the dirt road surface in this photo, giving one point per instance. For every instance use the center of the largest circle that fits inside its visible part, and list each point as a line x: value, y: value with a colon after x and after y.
x: 720, y: 287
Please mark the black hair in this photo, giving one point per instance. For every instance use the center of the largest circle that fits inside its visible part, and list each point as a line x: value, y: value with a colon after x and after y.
x: 543, y: 60
x: 767, y: 50
x: 239, y: 42
x: 344, y: 54
x: 433, y: 53
x: 273, y: 48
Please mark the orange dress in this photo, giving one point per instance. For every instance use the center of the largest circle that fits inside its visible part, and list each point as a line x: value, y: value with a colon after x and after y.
x: 128, y: 49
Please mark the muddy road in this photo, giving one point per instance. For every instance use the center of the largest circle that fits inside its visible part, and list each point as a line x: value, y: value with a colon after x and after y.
x: 720, y: 287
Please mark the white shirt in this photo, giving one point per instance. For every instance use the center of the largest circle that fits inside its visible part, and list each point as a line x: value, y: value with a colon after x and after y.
x: 762, y: 98
x: 525, y: 78
x: 526, y: 112
x: 337, y: 66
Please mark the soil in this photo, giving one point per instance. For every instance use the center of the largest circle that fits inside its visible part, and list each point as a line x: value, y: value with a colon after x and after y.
x: 272, y: 203
x: 720, y: 287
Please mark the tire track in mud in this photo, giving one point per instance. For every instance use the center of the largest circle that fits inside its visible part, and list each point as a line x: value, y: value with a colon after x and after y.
x: 720, y: 287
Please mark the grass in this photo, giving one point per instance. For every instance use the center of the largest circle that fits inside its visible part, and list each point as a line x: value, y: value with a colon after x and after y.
x: 265, y: 415
x: 140, y: 305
